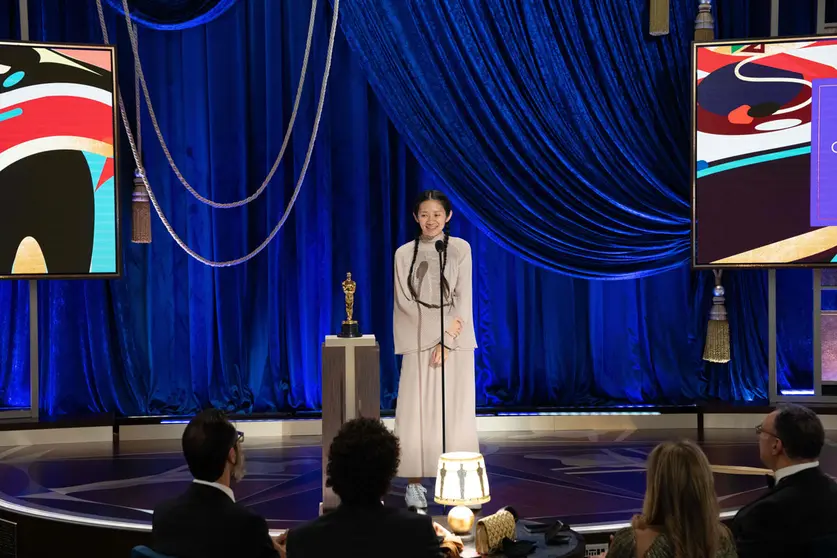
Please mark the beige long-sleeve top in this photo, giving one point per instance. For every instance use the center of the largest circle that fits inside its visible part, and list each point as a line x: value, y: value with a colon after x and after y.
x: 416, y: 327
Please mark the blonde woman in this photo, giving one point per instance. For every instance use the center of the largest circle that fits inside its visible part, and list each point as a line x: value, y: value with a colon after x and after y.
x: 680, y: 512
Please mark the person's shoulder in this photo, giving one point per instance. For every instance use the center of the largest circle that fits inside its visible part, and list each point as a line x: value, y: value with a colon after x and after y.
x: 623, y: 543
x: 459, y: 247
x: 311, y: 532
x: 246, y: 514
x: 173, y: 505
x: 459, y: 243
x: 407, y: 516
x: 406, y: 249
x: 625, y: 533
x: 163, y: 509
x: 823, y: 490
x: 828, y: 479
x: 298, y: 535
x: 241, y: 516
x: 409, y: 523
x: 766, y: 512
x: 392, y: 518
x: 316, y: 525
x: 726, y: 536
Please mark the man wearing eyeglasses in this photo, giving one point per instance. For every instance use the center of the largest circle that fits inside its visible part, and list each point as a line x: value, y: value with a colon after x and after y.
x: 205, y: 521
x: 798, y: 515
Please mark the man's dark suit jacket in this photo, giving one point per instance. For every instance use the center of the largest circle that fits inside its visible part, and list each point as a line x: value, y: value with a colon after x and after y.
x: 371, y: 532
x: 797, y: 517
x: 205, y: 523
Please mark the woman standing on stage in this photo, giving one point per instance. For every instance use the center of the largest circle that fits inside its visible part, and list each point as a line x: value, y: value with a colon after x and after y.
x: 416, y: 330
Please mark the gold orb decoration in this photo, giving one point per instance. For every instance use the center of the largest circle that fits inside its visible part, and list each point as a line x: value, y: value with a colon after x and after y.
x: 461, y: 520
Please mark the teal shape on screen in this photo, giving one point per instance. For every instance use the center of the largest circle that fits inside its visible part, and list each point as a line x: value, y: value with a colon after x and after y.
x: 13, y: 79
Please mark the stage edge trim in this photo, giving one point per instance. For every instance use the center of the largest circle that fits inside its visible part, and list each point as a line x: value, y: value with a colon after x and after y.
x: 593, y: 528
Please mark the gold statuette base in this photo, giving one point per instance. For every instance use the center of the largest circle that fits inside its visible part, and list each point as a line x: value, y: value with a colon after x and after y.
x: 349, y: 328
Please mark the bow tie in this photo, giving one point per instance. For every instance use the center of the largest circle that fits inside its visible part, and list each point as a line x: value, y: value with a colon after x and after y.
x: 770, y: 480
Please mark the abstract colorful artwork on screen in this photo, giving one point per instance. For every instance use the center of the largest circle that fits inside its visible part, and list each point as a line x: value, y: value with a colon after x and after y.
x: 765, y: 190
x: 58, y: 204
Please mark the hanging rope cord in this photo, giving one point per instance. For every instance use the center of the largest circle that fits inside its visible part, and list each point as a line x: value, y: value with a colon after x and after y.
x: 135, y: 150
x: 137, y: 102
x: 140, y: 76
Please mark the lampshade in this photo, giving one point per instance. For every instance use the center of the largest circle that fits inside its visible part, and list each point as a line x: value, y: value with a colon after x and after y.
x: 461, y: 479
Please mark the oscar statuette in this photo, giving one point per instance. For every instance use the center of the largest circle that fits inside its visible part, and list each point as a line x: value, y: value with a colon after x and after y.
x: 349, y: 327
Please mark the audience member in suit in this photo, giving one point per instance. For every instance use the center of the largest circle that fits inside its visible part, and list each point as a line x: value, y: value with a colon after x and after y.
x: 680, y: 516
x: 205, y: 521
x: 798, y: 516
x: 362, y: 461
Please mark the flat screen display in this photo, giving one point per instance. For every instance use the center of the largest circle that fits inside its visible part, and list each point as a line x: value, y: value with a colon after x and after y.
x: 764, y: 183
x: 58, y: 192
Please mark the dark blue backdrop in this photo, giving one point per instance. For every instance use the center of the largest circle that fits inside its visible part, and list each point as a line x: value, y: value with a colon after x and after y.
x: 588, y: 175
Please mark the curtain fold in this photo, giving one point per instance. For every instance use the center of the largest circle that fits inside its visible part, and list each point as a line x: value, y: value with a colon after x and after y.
x: 559, y: 126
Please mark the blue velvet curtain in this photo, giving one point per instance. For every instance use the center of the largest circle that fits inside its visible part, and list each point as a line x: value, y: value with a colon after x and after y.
x: 559, y: 126
x: 740, y: 19
x: 173, y: 336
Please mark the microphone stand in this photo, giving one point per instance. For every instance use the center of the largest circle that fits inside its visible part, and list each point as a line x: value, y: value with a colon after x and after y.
x: 440, y: 248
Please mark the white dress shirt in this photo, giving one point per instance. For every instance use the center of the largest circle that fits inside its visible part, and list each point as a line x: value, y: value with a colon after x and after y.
x: 785, y: 472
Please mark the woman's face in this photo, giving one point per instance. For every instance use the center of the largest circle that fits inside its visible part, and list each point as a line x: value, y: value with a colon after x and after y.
x: 431, y: 218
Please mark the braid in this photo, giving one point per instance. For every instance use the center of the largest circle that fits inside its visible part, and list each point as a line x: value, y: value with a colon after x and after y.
x: 445, y: 286
x: 412, y: 266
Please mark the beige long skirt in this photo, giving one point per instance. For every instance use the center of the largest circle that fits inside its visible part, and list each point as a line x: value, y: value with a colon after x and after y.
x: 418, y: 414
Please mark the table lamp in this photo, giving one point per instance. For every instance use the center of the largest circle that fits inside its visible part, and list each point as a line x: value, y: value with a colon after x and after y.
x: 461, y: 481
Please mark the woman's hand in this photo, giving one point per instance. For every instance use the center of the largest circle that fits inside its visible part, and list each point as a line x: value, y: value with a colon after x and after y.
x: 438, y: 353
x: 455, y: 328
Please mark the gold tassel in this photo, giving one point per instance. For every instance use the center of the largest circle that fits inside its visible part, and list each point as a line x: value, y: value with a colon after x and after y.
x: 704, y: 23
x: 658, y: 25
x: 717, y: 330
x: 141, y: 212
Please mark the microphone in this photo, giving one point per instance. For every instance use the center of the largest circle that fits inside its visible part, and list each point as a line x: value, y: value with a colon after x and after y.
x: 440, y: 247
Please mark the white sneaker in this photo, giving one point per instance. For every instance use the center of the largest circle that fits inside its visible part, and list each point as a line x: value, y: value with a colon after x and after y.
x: 415, y: 496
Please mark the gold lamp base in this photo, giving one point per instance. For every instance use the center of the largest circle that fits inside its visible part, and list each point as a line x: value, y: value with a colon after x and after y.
x: 461, y: 521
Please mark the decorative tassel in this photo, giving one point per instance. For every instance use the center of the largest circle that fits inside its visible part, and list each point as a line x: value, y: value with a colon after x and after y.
x: 141, y: 212
x: 704, y: 23
x: 717, y: 330
x: 658, y: 24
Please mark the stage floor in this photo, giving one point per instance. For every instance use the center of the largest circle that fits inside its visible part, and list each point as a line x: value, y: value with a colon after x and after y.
x: 582, y: 477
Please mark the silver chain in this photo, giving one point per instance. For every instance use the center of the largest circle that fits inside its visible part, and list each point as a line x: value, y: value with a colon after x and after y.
x: 300, y: 180
x: 141, y: 76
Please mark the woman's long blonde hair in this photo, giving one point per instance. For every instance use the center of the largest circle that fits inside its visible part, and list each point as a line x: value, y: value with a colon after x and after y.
x: 680, y: 499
